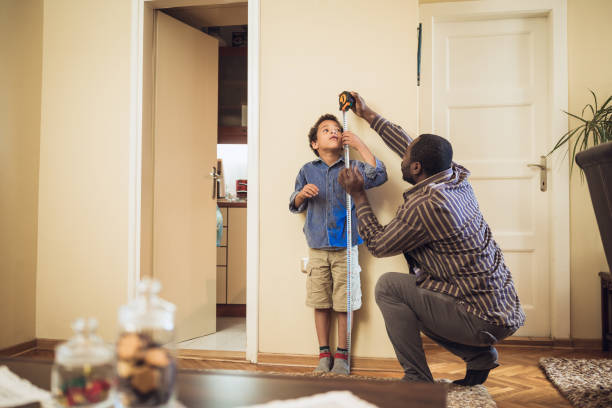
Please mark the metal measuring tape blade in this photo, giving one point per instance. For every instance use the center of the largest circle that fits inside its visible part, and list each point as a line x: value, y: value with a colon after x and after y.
x: 346, y: 101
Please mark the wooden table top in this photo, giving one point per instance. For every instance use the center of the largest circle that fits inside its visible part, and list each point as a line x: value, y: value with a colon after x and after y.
x: 220, y: 388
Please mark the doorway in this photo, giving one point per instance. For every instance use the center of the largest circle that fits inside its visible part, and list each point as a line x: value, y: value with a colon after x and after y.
x: 192, y: 131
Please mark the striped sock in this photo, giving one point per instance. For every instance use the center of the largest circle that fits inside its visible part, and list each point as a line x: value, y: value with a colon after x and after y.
x: 324, y: 352
x: 341, y: 353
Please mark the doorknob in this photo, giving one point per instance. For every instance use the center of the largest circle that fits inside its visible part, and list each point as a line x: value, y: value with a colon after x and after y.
x: 542, y: 167
x: 214, y: 176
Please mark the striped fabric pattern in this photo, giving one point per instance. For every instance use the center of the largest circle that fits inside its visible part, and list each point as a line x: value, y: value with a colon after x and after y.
x: 441, y: 228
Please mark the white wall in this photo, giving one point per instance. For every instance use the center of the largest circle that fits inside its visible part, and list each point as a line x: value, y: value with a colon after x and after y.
x: 235, y: 161
x: 20, y: 78
x: 590, y: 67
x: 85, y: 163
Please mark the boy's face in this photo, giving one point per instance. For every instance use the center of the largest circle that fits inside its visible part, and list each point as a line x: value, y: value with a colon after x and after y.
x: 328, y: 136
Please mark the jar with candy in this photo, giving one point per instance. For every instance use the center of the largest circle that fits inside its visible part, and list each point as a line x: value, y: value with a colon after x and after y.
x: 146, y: 364
x: 83, y: 374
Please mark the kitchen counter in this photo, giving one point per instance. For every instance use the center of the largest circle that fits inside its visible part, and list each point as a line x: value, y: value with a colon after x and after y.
x: 223, y: 203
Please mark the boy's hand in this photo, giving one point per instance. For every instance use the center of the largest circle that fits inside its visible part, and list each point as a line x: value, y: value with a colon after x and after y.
x: 309, y: 191
x: 351, y: 139
x: 361, y: 109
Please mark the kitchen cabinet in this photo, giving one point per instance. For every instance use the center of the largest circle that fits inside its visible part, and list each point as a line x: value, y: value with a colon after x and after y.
x: 231, y: 256
x: 232, y: 95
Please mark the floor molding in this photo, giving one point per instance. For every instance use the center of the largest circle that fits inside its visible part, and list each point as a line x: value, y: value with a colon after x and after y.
x: 48, y: 344
x: 17, y: 349
x: 212, y: 355
x: 305, y: 360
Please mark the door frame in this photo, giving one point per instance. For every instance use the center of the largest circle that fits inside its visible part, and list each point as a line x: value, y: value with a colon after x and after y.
x: 135, y: 152
x: 556, y: 13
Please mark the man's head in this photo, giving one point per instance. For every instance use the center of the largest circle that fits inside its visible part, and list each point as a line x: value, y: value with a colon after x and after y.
x: 427, y: 155
x: 326, y: 133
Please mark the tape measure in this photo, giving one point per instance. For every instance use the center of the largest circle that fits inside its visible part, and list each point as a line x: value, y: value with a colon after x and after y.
x: 346, y: 101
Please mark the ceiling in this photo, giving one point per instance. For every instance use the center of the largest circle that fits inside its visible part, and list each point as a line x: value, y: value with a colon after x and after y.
x: 211, y: 16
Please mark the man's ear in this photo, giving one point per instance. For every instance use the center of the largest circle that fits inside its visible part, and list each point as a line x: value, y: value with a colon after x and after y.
x: 416, y: 168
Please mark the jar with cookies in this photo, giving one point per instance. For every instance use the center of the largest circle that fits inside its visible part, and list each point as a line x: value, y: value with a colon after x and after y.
x: 146, y: 363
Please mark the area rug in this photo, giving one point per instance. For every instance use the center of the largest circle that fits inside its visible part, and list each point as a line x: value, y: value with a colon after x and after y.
x: 586, y: 383
x: 458, y: 396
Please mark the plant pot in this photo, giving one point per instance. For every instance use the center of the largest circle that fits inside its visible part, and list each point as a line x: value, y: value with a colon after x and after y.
x: 597, y: 165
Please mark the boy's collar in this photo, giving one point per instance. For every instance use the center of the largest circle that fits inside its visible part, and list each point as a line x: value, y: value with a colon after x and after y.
x: 340, y: 159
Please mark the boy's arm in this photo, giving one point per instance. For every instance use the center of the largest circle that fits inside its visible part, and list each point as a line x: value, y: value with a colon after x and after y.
x: 303, y: 191
x: 299, y: 205
x: 373, y: 176
x: 356, y: 143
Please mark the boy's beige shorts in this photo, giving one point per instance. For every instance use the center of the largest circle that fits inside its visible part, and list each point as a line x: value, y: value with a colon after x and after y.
x: 326, y: 280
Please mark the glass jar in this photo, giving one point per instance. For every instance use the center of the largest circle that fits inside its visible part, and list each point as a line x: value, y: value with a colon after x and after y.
x: 146, y: 363
x: 83, y: 374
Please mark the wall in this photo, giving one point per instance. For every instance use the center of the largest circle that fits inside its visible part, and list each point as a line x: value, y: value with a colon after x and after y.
x: 85, y: 164
x: 146, y: 199
x: 590, y: 65
x: 310, y: 52
x: 20, y: 79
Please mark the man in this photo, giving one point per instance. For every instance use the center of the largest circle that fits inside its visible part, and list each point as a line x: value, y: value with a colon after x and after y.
x: 462, y: 295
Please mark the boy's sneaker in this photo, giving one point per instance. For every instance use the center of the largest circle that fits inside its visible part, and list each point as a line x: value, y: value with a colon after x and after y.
x: 341, y: 363
x: 325, y: 362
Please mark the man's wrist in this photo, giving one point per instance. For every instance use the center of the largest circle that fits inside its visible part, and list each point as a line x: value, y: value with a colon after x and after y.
x: 369, y: 115
x: 359, y: 197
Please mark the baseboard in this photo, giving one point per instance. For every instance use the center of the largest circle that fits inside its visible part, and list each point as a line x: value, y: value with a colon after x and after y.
x: 231, y: 310
x: 14, y: 351
x: 212, y: 355
x: 48, y: 344
x: 305, y: 360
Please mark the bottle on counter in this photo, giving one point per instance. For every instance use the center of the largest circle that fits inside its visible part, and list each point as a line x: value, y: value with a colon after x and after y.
x: 146, y: 363
x: 83, y: 374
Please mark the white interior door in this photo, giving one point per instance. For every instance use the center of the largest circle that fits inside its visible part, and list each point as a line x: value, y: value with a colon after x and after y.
x: 488, y: 89
x: 185, y: 139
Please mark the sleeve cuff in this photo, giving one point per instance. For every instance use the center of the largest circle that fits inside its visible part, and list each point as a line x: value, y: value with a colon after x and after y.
x: 292, y: 207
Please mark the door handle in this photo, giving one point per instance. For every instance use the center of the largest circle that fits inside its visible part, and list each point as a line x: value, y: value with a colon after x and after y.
x: 542, y: 167
x: 214, y: 176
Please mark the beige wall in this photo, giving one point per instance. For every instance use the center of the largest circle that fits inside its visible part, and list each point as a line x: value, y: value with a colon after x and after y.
x: 83, y: 218
x: 307, y: 58
x: 146, y: 203
x: 20, y: 78
x: 590, y: 67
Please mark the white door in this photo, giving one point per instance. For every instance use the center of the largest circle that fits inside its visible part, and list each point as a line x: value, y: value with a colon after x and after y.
x: 185, y: 140
x: 488, y: 94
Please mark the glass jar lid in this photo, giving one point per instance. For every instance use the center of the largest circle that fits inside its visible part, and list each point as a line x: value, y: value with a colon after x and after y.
x: 85, y: 347
x: 147, y: 310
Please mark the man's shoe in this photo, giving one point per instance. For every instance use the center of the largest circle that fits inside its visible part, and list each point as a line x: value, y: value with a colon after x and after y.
x: 473, y: 377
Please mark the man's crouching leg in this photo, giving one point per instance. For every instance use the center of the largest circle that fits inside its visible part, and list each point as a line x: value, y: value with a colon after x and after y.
x: 392, y: 291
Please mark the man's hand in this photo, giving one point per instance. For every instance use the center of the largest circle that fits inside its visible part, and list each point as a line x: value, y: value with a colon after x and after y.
x: 361, y: 109
x: 352, y: 182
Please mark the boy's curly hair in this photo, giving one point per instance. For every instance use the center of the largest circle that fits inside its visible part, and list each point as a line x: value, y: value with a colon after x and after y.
x: 312, y: 134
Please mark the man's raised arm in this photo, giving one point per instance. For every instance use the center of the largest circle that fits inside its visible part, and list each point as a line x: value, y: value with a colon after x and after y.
x: 393, y: 135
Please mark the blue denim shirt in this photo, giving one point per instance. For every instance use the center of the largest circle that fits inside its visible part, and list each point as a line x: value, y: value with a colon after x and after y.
x: 325, y: 226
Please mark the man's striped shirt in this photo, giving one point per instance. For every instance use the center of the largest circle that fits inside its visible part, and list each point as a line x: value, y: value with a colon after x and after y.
x: 440, y: 227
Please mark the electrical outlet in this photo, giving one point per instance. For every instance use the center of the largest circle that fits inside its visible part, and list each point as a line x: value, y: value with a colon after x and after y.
x: 303, y: 263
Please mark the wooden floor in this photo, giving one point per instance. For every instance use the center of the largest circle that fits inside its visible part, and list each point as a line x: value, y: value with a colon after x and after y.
x: 518, y: 382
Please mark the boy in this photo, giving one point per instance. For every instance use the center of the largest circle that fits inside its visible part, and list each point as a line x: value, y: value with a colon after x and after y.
x: 317, y: 190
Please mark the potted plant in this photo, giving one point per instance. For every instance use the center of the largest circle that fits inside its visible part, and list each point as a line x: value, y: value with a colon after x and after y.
x: 590, y: 144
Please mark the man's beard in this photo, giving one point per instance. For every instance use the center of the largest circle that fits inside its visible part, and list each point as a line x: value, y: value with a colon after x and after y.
x: 406, y: 176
